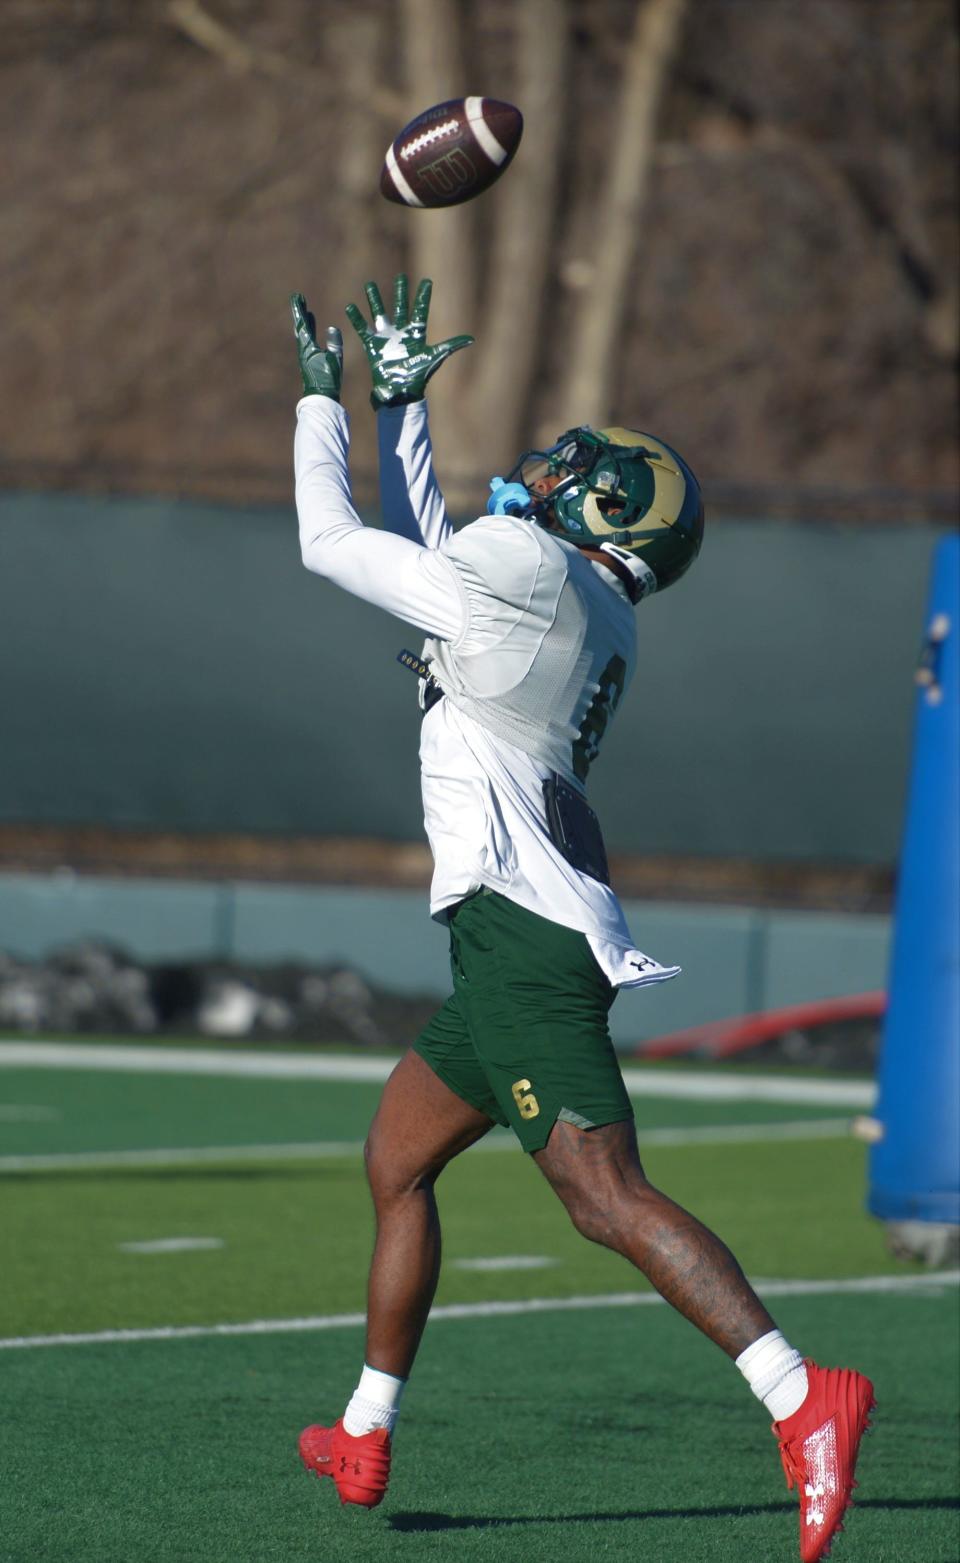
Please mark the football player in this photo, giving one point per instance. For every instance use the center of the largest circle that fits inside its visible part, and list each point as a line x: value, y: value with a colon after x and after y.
x: 529, y: 614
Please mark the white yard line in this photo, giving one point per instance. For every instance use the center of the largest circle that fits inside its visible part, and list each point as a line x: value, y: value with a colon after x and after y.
x: 680, y: 1083
x: 505, y: 1262
x: 747, y: 1133
x: 135, y: 1058
x: 925, y: 1285
x: 735, y: 1087
x: 176, y: 1155
x: 318, y: 1150
x: 171, y: 1245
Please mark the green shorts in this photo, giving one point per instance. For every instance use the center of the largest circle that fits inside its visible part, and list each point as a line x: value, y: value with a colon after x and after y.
x: 524, y: 1036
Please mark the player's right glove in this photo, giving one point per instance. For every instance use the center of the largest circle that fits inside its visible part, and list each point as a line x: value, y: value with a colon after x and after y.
x: 321, y: 369
x: 400, y: 361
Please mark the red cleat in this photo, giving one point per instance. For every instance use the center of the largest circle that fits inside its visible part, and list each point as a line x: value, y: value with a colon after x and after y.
x: 818, y: 1447
x: 360, y: 1467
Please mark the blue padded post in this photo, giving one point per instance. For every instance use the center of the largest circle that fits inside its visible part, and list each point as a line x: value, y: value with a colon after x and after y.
x: 915, y: 1165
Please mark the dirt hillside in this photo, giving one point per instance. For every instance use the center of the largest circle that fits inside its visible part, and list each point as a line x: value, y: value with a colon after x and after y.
x: 789, y: 319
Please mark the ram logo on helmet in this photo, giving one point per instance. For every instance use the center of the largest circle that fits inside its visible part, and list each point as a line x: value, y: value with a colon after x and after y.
x: 620, y: 490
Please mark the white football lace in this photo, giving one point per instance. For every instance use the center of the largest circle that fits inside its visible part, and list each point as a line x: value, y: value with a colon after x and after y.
x: 428, y: 136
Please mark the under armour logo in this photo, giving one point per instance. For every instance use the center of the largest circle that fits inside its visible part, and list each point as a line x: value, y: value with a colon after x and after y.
x: 352, y: 1465
x: 815, y: 1516
x: 644, y: 964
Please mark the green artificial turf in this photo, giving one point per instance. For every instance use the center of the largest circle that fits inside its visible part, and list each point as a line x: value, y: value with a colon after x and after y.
x: 583, y: 1435
x: 297, y: 1236
x: 609, y: 1435
x: 102, y: 1110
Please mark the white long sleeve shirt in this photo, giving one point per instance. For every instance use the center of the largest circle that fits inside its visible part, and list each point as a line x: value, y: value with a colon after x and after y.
x: 523, y: 633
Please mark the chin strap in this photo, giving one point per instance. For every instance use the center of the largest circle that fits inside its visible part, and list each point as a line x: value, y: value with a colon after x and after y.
x: 633, y: 571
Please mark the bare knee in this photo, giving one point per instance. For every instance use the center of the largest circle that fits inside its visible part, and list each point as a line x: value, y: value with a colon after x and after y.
x: 381, y: 1167
x: 597, y: 1214
x: 599, y: 1179
x: 390, y: 1174
x: 419, y: 1126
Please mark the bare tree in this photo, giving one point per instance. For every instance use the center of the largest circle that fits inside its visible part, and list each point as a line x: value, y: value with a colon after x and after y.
x: 353, y: 57
x: 490, y: 261
x: 515, y: 300
x: 619, y: 210
x: 442, y: 243
x: 794, y: 322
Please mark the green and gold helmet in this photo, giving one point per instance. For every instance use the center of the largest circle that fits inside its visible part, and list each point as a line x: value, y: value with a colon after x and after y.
x: 625, y: 492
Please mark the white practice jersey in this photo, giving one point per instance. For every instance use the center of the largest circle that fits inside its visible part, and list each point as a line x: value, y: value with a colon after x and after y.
x: 532, y: 644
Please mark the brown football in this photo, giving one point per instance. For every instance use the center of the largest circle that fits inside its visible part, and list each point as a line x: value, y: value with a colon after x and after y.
x: 451, y: 153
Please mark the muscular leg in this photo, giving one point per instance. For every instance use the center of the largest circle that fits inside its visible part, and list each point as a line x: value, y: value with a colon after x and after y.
x: 420, y: 1125
x: 598, y: 1176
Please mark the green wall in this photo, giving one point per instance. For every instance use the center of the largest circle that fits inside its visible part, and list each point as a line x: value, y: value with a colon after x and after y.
x: 172, y: 665
x: 736, y: 960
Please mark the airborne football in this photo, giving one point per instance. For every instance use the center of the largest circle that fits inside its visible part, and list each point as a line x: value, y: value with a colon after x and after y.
x: 451, y: 152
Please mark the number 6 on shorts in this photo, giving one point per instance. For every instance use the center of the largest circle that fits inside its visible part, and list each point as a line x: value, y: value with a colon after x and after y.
x: 527, y: 1105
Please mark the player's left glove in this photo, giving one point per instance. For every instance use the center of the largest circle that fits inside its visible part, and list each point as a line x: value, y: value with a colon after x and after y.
x: 321, y: 369
x: 400, y: 361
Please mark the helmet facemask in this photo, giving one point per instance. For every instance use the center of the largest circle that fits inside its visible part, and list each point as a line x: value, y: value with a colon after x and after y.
x: 623, y: 492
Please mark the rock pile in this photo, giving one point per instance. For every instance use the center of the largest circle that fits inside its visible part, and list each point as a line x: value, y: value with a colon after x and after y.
x: 95, y: 989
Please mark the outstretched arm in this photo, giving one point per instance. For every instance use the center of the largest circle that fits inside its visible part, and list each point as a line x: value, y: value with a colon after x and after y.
x: 415, y: 583
x: 401, y: 364
x: 410, y: 497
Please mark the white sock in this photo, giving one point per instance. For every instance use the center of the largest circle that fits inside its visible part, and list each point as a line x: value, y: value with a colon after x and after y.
x: 375, y: 1402
x: 776, y: 1374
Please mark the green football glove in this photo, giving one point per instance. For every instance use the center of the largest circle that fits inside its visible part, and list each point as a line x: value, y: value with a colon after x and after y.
x: 400, y: 361
x: 322, y: 369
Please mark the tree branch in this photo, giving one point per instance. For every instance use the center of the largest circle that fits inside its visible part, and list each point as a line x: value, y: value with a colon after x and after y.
x: 586, y: 395
x: 515, y: 298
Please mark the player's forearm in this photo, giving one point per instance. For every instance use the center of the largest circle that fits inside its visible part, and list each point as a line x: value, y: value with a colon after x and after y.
x: 410, y: 496
x: 324, y: 503
x: 408, y: 580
